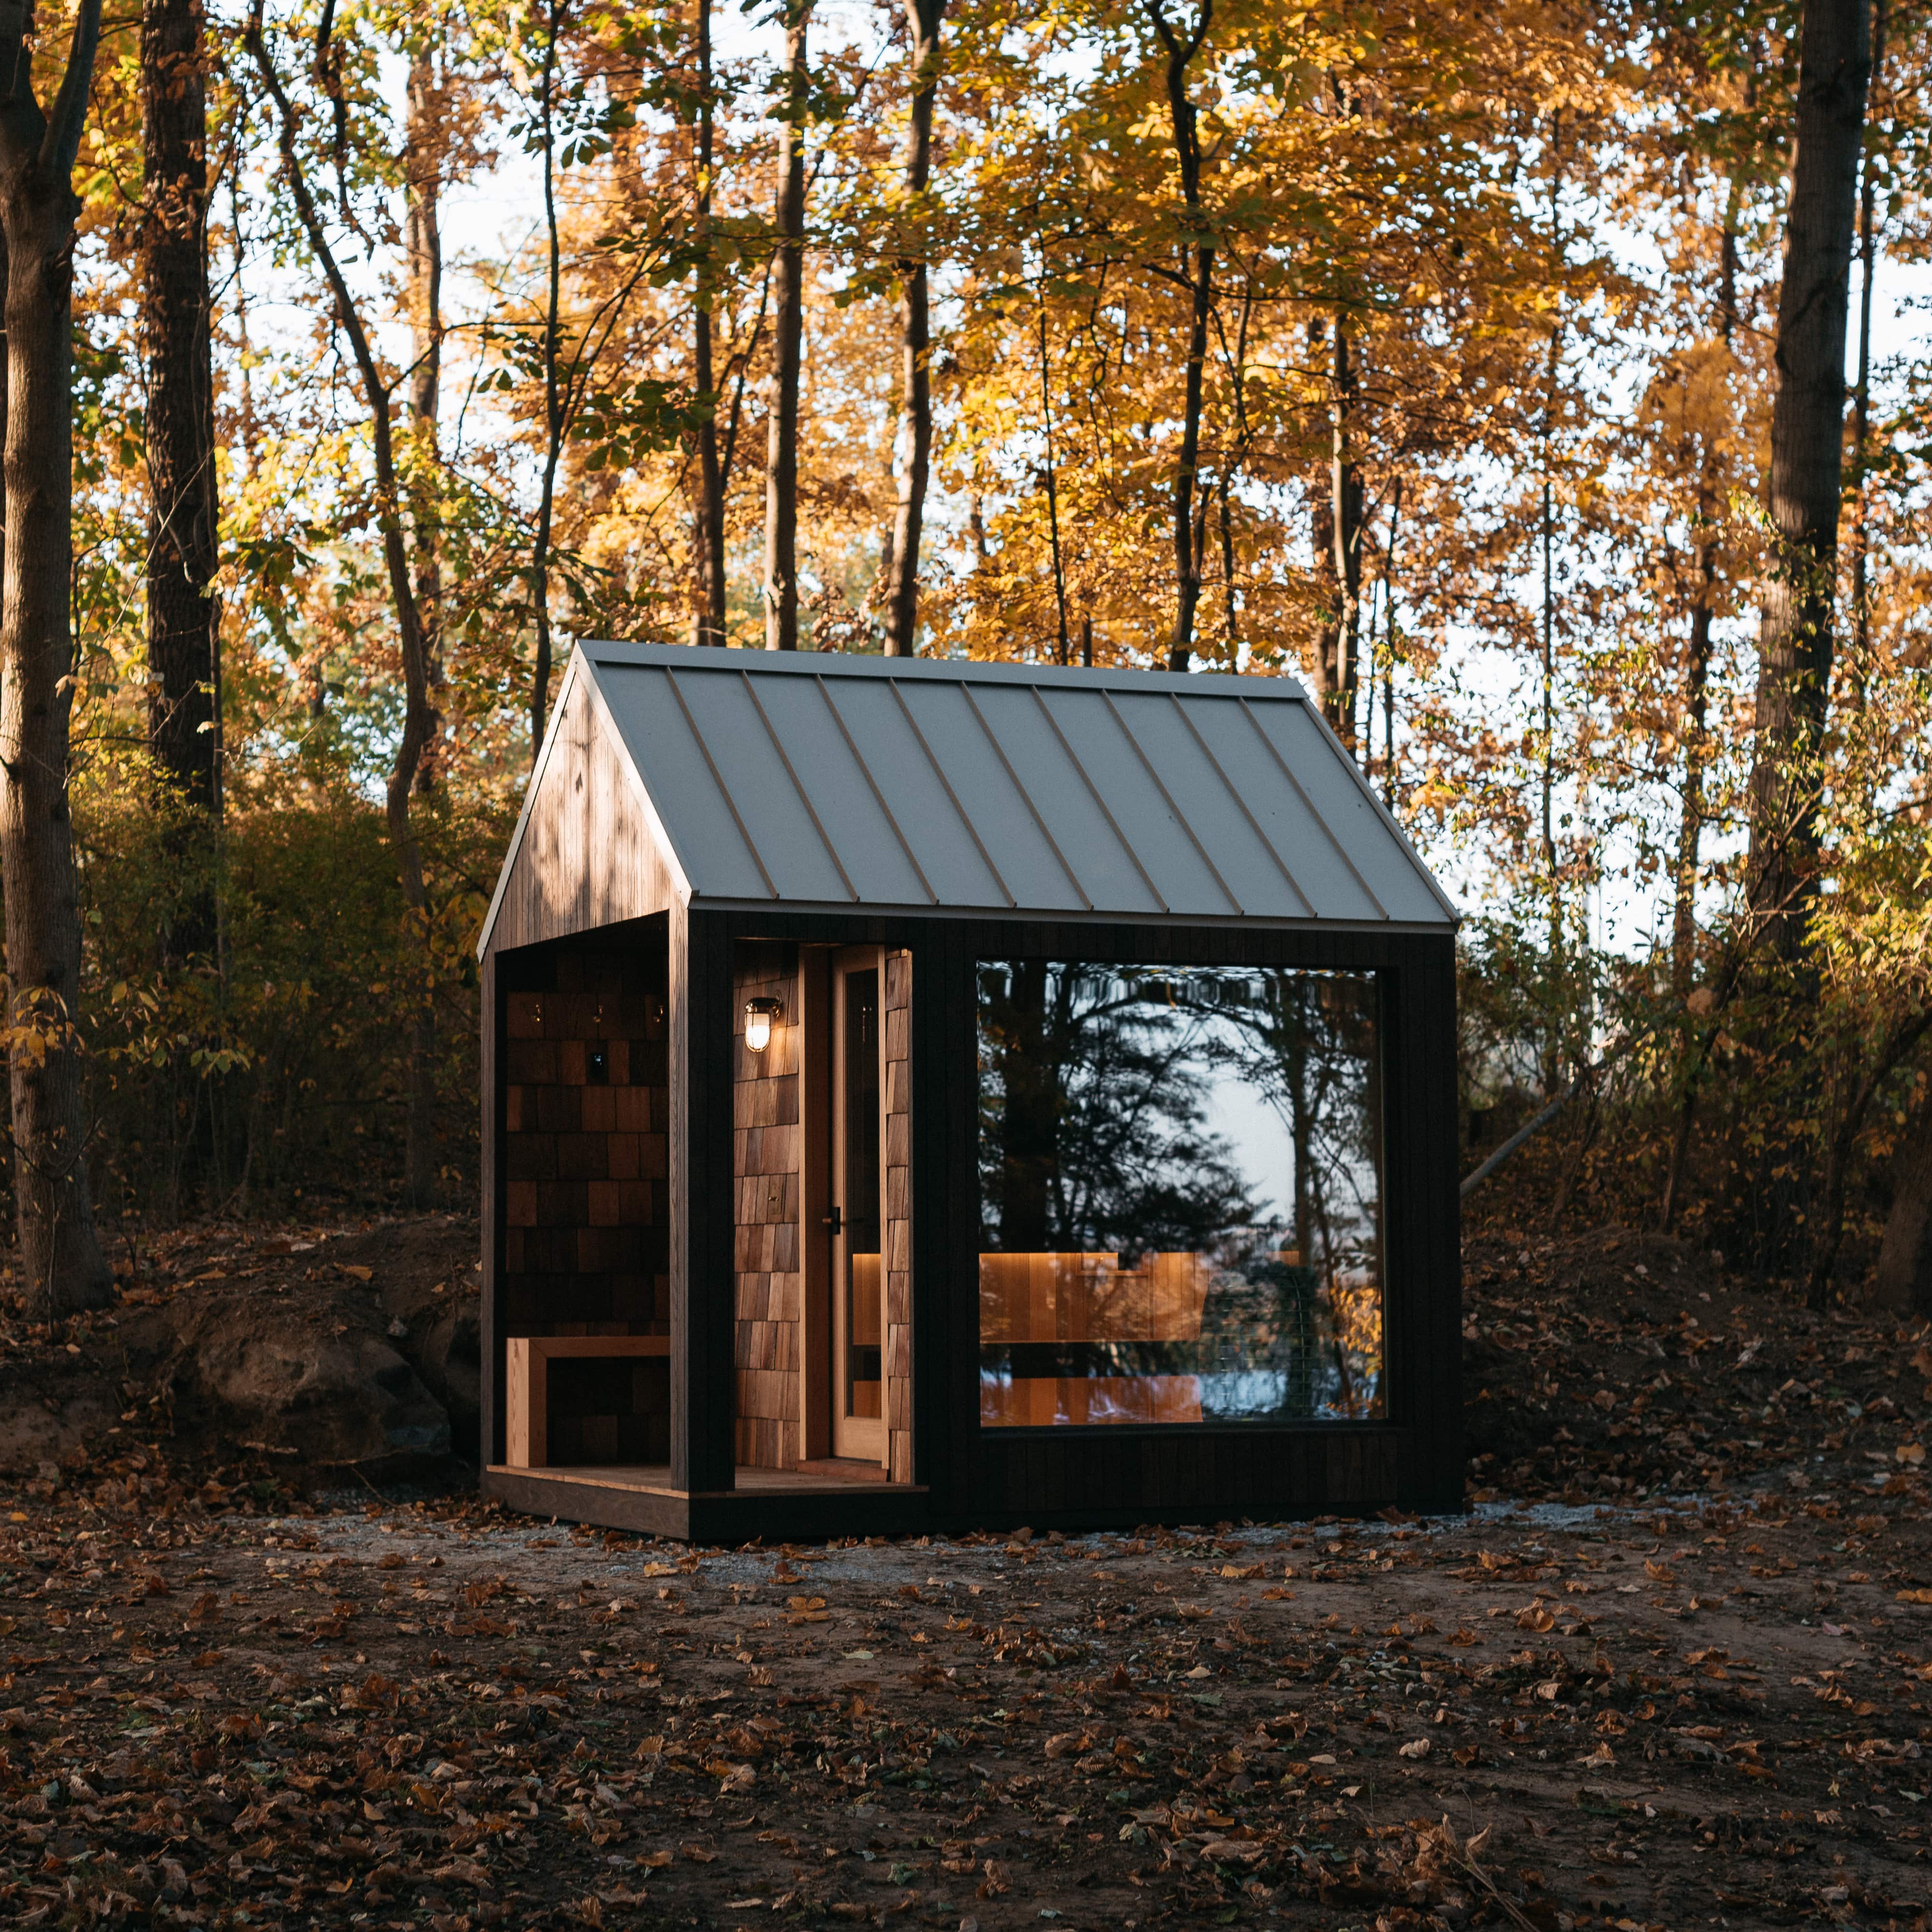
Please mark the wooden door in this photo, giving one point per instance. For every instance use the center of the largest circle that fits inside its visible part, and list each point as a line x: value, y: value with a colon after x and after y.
x: 858, y: 1204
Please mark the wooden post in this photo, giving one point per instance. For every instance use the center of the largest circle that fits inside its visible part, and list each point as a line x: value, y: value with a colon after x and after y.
x: 699, y: 1025
x: 815, y: 1241
x: 490, y: 1442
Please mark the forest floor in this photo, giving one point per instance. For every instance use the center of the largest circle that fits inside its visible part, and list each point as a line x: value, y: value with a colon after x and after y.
x: 1672, y: 1669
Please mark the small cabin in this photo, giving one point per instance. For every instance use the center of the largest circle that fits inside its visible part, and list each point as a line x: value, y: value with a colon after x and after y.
x: 920, y: 1093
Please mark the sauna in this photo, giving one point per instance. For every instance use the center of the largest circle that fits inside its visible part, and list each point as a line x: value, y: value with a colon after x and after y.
x: 927, y: 1094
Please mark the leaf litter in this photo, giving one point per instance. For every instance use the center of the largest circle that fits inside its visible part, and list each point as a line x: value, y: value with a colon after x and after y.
x: 1651, y: 1679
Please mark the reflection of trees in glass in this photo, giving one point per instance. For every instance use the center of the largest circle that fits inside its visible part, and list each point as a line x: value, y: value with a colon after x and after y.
x: 1308, y: 1042
x: 1098, y: 1093
x: 1092, y: 1136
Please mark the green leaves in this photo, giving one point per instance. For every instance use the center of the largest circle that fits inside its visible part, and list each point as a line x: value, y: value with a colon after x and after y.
x: 617, y: 429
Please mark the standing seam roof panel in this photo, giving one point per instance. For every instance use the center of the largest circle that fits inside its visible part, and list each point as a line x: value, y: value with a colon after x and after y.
x: 1281, y: 808
x: 697, y: 816
x: 927, y: 819
x: 827, y: 780
x: 1215, y: 814
x: 846, y: 812
x: 803, y: 865
x: 1108, y: 871
x: 971, y: 759
x: 1354, y: 820
x: 1150, y: 822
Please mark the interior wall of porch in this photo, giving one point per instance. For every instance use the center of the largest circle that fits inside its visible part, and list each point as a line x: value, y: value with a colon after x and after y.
x: 585, y: 1197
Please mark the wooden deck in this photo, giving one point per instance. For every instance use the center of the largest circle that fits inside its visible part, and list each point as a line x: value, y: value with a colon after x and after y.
x: 799, y: 1505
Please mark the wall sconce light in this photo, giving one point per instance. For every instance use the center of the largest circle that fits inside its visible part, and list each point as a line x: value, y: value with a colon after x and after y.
x: 761, y: 1016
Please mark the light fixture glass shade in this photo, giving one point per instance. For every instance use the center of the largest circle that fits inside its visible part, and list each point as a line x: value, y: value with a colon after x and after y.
x: 761, y: 1016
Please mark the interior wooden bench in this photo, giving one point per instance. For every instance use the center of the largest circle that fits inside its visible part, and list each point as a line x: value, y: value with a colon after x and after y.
x: 526, y: 1404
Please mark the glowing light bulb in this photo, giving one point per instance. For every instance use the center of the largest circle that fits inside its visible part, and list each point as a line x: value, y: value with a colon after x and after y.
x: 761, y: 1016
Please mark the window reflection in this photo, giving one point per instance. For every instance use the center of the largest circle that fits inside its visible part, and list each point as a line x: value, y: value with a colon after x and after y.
x: 1181, y: 1195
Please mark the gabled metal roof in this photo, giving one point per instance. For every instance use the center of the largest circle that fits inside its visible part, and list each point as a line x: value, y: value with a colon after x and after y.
x: 829, y: 780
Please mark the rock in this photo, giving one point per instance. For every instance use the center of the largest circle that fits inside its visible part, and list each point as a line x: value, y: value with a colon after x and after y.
x: 337, y: 1400
x: 448, y: 1357
x: 305, y: 1371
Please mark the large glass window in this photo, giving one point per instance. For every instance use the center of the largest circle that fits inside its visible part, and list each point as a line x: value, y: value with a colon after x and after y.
x: 1180, y: 1194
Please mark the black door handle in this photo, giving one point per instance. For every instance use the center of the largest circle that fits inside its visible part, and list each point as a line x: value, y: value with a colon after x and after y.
x: 835, y: 1221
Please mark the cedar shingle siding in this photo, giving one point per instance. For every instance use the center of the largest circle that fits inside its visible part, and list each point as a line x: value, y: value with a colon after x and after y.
x: 765, y: 1147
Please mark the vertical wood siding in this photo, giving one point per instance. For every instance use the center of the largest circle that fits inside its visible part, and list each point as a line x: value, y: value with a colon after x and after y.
x: 587, y: 857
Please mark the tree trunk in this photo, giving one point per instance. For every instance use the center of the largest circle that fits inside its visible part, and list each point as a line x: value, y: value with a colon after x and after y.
x: 1184, y: 118
x: 1862, y: 395
x: 1340, y: 677
x: 1828, y: 1231
x: 781, y: 446
x: 1052, y: 482
x: 1388, y: 663
x: 419, y: 1155
x: 423, y: 149
x: 709, y: 523
x: 1794, y: 635
x: 423, y: 239
x: 552, y: 396
x: 183, y: 615
x: 60, y: 1258
x: 915, y: 343
x: 1697, y: 670
x: 1903, y: 1282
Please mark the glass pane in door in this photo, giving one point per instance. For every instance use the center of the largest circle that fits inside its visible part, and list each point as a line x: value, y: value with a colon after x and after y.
x: 862, y: 1370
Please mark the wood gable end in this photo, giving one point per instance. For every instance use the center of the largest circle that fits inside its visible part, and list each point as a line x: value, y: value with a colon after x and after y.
x: 587, y: 852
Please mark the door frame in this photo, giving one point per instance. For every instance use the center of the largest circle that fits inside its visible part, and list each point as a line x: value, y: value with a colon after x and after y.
x: 853, y: 1439
x: 819, y: 1252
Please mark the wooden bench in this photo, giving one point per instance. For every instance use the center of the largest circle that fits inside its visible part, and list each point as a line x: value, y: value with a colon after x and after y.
x: 526, y: 1404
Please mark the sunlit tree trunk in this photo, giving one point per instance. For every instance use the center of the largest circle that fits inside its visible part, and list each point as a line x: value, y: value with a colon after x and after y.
x: 1198, y: 250
x: 1340, y: 672
x: 1697, y: 665
x: 552, y: 389
x: 423, y: 148
x: 1052, y: 480
x: 781, y: 446
x: 1795, y: 628
x: 183, y: 615
x: 60, y: 1257
x: 710, y: 521
x: 1861, y: 652
x: 915, y: 343
x: 423, y: 237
